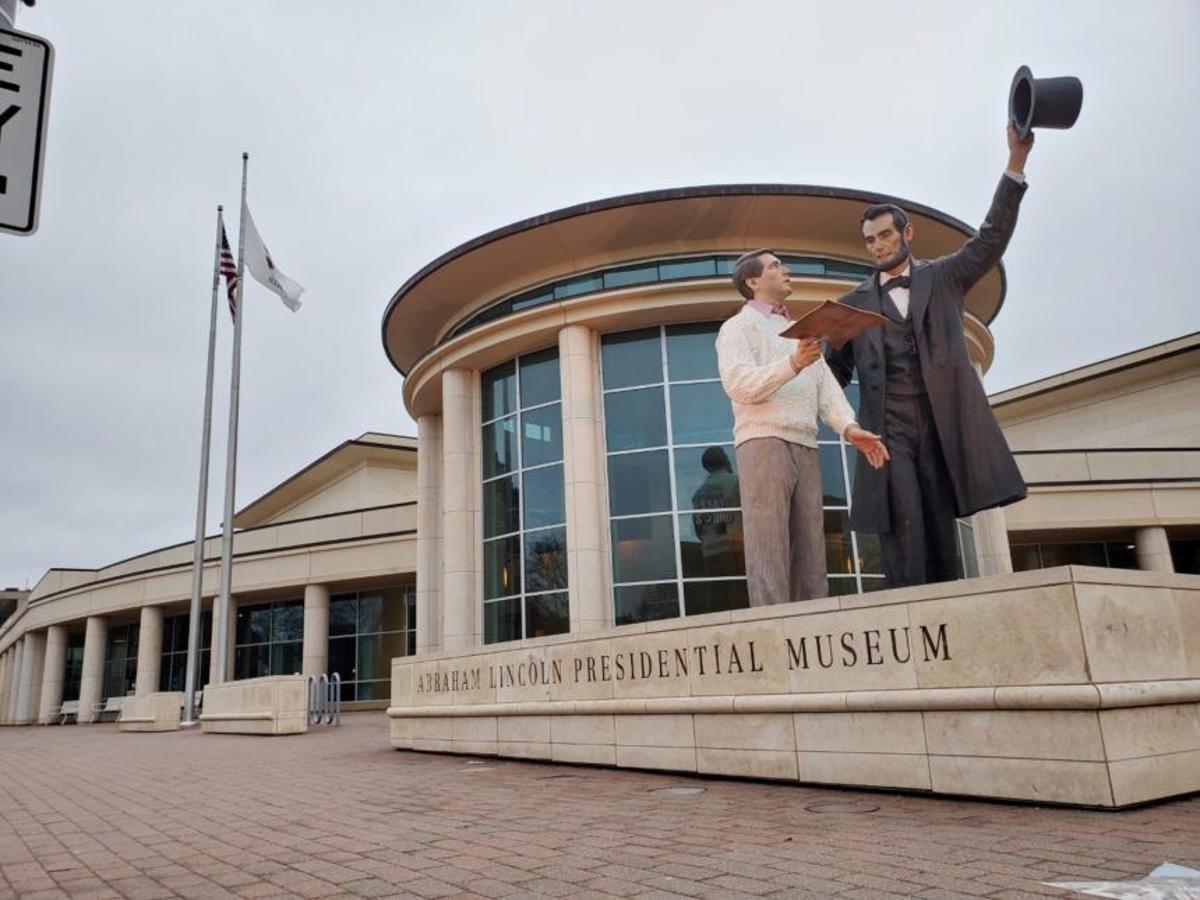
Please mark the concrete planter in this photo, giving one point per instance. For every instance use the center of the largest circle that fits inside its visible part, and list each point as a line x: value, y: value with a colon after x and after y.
x: 276, y: 704
x: 151, y: 712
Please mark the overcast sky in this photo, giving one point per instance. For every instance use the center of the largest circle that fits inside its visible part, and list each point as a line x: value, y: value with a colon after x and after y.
x: 384, y: 133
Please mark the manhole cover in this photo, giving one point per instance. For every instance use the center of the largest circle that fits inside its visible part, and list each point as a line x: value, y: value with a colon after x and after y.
x: 679, y: 791
x: 842, y: 806
x: 560, y: 778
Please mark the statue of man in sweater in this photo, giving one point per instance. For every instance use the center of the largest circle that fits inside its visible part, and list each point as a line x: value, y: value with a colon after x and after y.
x: 777, y: 388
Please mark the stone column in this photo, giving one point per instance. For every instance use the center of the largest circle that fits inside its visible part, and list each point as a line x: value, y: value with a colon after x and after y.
x: 460, y: 605
x: 991, y: 530
x: 316, y: 629
x: 5, y: 661
x: 14, y: 681
x: 583, y: 464
x: 217, y: 674
x: 149, y: 660
x: 53, y: 672
x: 1153, y: 550
x: 31, y: 677
x: 91, y: 683
x: 429, y: 534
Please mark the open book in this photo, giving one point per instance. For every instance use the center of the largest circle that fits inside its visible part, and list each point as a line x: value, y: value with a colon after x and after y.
x: 833, y: 323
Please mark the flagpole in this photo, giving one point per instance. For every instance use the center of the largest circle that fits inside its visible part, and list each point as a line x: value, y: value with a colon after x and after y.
x: 222, y: 622
x: 189, y: 701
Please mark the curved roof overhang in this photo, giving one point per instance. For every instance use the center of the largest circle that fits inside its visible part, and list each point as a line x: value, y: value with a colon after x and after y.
x: 713, y: 218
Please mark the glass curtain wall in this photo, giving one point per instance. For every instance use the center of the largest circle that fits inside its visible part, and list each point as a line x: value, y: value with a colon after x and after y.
x: 524, y: 511
x: 269, y: 639
x: 172, y: 674
x: 674, y: 503
x: 366, y: 631
x: 73, y: 669
x: 120, y: 666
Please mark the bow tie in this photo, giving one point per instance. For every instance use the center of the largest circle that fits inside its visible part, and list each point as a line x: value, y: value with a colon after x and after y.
x: 902, y: 281
x: 780, y: 310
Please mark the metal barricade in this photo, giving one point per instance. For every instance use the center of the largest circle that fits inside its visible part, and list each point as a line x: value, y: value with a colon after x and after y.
x: 325, y: 699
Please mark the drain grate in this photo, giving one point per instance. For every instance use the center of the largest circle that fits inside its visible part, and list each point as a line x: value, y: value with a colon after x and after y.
x: 678, y: 791
x: 842, y: 806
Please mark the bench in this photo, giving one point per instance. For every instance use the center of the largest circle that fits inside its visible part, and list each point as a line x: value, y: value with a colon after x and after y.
x: 62, y: 712
x: 111, y: 705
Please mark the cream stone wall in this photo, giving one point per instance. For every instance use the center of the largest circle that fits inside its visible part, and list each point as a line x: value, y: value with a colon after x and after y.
x: 371, y: 484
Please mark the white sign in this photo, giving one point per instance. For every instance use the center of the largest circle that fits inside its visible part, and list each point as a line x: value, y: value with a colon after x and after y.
x: 26, y: 63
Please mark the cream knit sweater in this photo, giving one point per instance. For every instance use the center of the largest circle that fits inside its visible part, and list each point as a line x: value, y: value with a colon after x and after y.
x: 769, y: 399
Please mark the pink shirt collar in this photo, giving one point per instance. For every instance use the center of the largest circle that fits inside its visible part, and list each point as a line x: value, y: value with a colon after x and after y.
x: 767, y: 309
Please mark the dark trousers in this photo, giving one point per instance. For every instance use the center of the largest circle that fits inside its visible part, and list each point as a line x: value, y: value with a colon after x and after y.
x: 922, y: 546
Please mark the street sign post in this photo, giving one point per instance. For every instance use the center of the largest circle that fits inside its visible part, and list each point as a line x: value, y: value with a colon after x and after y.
x: 26, y: 64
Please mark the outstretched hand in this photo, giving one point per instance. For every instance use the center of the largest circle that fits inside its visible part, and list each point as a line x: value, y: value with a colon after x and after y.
x: 1018, y: 150
x: 869, y: 445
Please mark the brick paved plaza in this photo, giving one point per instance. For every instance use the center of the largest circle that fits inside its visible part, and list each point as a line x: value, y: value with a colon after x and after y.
x: 90, y: 812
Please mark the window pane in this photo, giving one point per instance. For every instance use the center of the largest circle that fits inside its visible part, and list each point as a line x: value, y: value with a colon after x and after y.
x: 342, y: 615
x: 286, y: 658
x: 798, y: 265
x: 725, y: 265
x: 833, y: 484
x: 206, y: 630
x: 501, y: 500
x: 544, y: 504
x: 852, y: 395
x: 692, y: 351
x: 541, y: 436
x: 643, y: 549
x: 500, y: 447
x: 253, y: 661
x: 179, y: 629
x: 374, y: 690
x: 706, y: 478
x: 701, y: 413
x: 631, y: 358
x: 714, y: 596
x: 710, y: 544
x: 1025, y: 557
x: 870, y: 553
x: 839, y: 587
x: 646, y: 602
x: 502, y: 620
x: 969, y: 566
x: 502, y: 567
x: 395, y: 608
x: 539, y: 377
x: 289, y: 621
x: 688, y: 268
x: 631, y: 275
x: 253, y: 624
x: 545, y: 560
x: 375, y: 655
x: 1122, y: 555
x: 838, y: 549
x: 348, y: 691
x: 531, y: 299
x: 499, y: 391
x: 546, y: 614
x: 638, y: 483
x: 341, y: 658
x: 370, y: 613
x: 635, y: 419
x: 874, y: 584
x: 583, y: 284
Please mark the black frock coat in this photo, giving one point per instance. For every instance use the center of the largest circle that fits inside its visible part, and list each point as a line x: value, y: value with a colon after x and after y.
x: 982, y: 470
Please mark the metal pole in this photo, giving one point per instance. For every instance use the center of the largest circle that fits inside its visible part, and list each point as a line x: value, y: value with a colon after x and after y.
x: 193, y: 649
x: 222, y: 624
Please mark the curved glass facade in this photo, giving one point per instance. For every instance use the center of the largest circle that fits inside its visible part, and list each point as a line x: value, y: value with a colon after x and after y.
x: 524, y: 508
x: 653, y: 271
x: 674, y: 504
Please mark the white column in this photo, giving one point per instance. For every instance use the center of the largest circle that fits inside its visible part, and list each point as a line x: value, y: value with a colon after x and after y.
x: 53, y: 672
x: 5, y: 662
x: 316, y: 629
x: 149, y: 659
x: 1153, y: 550
x: 429, y: 534
x: 460, y: 603
x: 583, y: 461
x: 214, y: 664
x: 91, y: 683
x: 990, y: 528
x: 14, y: 681
x: 31, y: 677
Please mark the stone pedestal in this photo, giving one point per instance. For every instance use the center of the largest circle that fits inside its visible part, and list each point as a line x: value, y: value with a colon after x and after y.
x: 1071, y: 685
x: 157, y: 711
x: 276, y: 704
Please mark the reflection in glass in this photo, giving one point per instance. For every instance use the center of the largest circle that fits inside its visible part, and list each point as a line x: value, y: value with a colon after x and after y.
x: 639, y: 483
x: 502, y: 567
x: 701, y: 414
x: 630, y: 275
x: 714, y: 596
x: 370, y: 613
x: 544, y: 504
x: 968, y: 565
x: 582, y: 284
x: 541, y: 435
x: 692, y: 351
x: 343, y: 615
x: 643, y: 549
x: 631, y: 358
x: 706, y: 478
x: 376, y: 652
x: 341, y: 658
x: 502, y: 620
x: 539, y: 378
x: 840, y: 586
x: 545, y: 560
x: 501, y: 512
x: 499, y: 391
x: 546, y: 614
x: 286, y: 658
x: 833, y: 482
x: 500, y: 447
x: 839, y: 555
x: 870, y: 553
x: 635, y: 419
x: 645, y: 602
x: 289, y: 622
x: 710, y: 544
x: 688, y: 268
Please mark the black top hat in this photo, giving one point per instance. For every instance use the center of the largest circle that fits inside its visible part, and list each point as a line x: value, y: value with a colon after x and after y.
x: 1043, y: 102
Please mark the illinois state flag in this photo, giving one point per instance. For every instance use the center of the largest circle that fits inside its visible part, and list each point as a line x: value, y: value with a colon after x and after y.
x: 263, y: 268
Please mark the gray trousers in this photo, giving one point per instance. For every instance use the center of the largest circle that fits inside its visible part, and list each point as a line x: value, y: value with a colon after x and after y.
x: 782, y: 521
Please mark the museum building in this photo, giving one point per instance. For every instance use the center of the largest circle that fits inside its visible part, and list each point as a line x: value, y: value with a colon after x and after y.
x: 574, y: 468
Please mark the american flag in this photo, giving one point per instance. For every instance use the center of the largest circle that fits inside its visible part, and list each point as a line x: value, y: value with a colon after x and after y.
x: 229, y: 270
